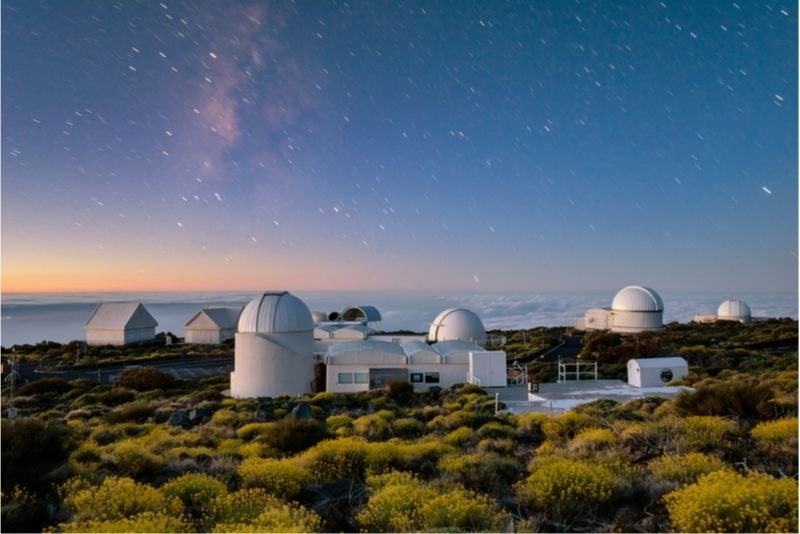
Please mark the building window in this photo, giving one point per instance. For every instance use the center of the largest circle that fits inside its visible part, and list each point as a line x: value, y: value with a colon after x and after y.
x: 361, y: 378
x: 666, y: 375
x: 431, y: 378
x: 345, y: 378
x: 416, y: 378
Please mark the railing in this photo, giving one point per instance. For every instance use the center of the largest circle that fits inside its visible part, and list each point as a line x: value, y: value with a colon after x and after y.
x: 471, y: 379
x: 564, y: 372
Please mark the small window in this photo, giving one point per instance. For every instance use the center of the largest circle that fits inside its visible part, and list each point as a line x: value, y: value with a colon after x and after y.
x: 666, y: 375
x: 361, y: 378
x: 416, y: 378
x: 345, y: 378
x: 431, y: 378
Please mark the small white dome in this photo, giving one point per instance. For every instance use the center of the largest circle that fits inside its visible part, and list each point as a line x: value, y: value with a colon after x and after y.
x: 637, y: 298
x: 457, y: 324
x: 319, y: 317
x: 733, y: 310
x: 275, y: 313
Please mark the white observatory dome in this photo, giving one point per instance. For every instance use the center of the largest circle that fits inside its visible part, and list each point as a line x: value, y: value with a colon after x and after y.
x: 733, y: 310
x: 276, y: 312
x: 637, y: 299
x: 457, y: 324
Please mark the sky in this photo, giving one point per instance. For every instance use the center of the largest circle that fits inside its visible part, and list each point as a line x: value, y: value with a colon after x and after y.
x: 320, y: 145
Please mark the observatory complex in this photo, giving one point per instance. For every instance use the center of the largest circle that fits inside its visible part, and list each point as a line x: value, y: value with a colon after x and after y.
x: 634, y: 309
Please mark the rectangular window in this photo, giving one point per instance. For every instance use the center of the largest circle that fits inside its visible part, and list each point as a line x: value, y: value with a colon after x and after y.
x: 416, y: 378
x: 345, y: 378
x: 361, y: 378
x: 431, y: 378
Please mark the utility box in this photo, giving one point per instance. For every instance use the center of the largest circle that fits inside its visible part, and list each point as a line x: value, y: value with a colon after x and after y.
x: 655, y: 372
x: 487, y: 368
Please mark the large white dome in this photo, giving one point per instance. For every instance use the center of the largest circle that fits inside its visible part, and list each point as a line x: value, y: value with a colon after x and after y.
x: 639, y: 299
x: 733, y: 310
x: 457, y: 324
x: 276, y: 312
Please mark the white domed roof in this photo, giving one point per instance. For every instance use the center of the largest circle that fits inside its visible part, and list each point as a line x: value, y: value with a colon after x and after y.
x: 637, y: 298
x: 457, y: 324
x: 275, y: 313
x: 733, y: 310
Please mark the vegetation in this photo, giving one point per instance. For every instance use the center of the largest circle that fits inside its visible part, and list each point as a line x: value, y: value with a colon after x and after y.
x: 154, y: 454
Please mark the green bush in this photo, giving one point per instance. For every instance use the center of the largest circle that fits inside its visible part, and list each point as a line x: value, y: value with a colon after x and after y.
x: 592, y: 440
x: 733, y: 398
x: 144, y: 379
x: 197, y: 492
x: 290, y: 435
x: 396, y: 506
x: 462, y: 511
x: 133, y: 412
x: 685, y: 468
x: 724, y: 501
x: 487, y: 473
x: 30, y: 450
x: 117, y: 396
x: 44, y: 385
x: 135, y: 460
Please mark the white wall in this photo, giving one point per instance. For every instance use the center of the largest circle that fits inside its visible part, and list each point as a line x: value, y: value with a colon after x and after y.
x: 105, y: 336
x: 632, y: 322
x: 210, y: 336
x: 596, y: 319
x: 649, y: 377
x: 489, y: 368
x: 448, y: 375
x: 267, y: 367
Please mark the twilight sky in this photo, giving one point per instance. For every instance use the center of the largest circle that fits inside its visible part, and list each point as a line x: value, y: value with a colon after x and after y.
x: 396, y: 145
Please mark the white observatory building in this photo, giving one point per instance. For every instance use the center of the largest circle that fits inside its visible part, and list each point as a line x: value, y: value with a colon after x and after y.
x: 457, y: 324
x: 734, y: 310
x: 634, y: 309
x: 274, y: 348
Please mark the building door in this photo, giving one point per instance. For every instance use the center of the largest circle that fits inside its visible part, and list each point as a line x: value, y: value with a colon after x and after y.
x: 379, y: 378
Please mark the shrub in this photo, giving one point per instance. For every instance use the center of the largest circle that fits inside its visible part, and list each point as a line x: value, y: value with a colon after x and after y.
x: 254, y: 510
x: 495, y: 430
x: 282, y: 478
x: 135, y: 460
x: 145, y: 379
x: 407, y: 427
x: 196, y: 491
x: 340, y: 459
x: 685, y: 468
x: 462, y: 511
x: 708, y: 432
x: 592, y: 440
x: 225, y: 417
x: 458, y: 437
x: 724, y: 501
x: 290, y: 435
x: 136, y: 412
x: 26, y: 439
x: 372, y: 427
x: 22, y: 512
x: 733, y: 398
x: 144, y: 522
x: 115, y: 498
x: 488, y: 473
x: 45, y: 385
x: 117, y: 396
x: 396, y: 505
x: 251, y: 431
x: 339, y: 424
x: 566, y: 426
x: 781, y: 433
x: 564, y: 489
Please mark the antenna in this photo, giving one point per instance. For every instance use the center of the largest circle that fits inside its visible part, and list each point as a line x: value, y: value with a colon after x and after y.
x: 11, y: 380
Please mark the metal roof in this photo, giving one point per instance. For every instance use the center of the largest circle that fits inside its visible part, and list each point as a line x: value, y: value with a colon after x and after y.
x: 223, y: 317
x: 733, y: 309
x: 117, y: 315
x: 670, y: 361
x: 457, y: 323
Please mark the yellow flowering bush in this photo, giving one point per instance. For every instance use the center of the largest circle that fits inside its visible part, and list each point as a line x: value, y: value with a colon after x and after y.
x: 460, y: 510
x: 339, y: 459
x: 782, y: 432
x: 725, y: 501
x: 372, y: 427
x: 565, y: 426
x: 116, y: 498
x: 132, y: 458
x: 685, y: 468
x: 591, y: 440
x: 254, y: 510
x: 564, y: 488
x: 144, y: 522
x: 339, y: 424
x: 253, y: 430
x: 704, y: 432
x: 195, y: 490
x: 458, y: 437
x: 282, y: 478
x: 396, y: 505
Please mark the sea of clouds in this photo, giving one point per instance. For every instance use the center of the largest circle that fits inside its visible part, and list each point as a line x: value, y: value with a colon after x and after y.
x: 60, y: 317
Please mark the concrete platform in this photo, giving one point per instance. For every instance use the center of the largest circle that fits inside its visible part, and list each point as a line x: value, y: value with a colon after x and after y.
x: 562, y: 397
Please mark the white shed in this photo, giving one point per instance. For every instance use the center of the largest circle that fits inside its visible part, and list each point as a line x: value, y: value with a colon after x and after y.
x: 119, y: 323
x: 212, y: 325
x: 655, y: 372
x: 487, y: 368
